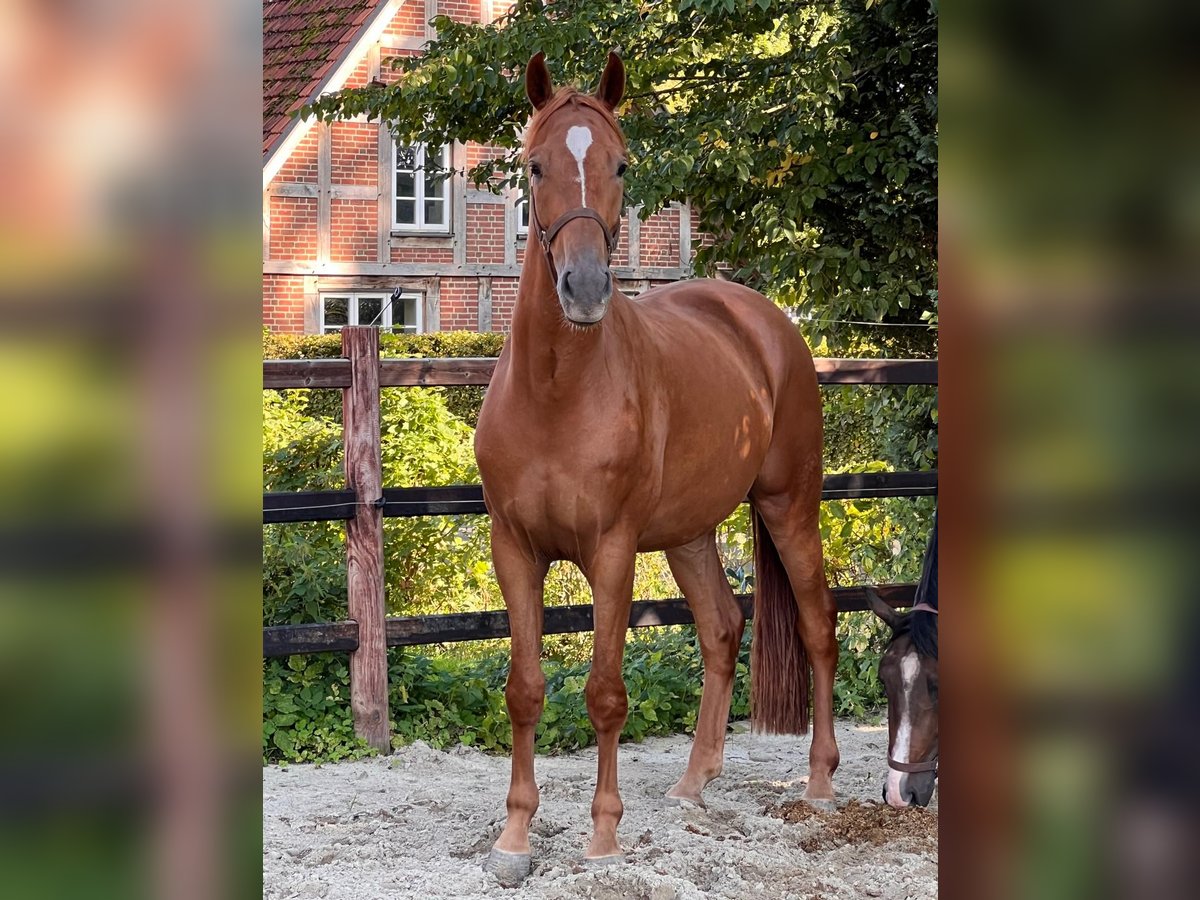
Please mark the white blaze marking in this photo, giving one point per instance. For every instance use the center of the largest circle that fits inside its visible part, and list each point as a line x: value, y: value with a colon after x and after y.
x: 910, y: 667
x: 579, y: 138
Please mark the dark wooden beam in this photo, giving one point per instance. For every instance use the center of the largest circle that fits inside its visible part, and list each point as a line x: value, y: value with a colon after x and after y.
x: 854, y: 599
x: 284, y: 640
x: 410, y: 631
x: 855, y: 485
x: 306, y: 373
x: 478, y: 626
x: 877, y: 371
x: 436, y: 372
x: 308, y: 506
x: 417, y: 630
x: 467, y: 499
x: 477, y: 371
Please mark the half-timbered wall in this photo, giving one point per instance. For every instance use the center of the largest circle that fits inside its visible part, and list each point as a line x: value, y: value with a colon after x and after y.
x: 328, y: 216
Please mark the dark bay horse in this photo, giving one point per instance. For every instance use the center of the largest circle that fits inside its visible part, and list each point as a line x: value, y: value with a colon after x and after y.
x: 909, y: 671
x: 614, y: 426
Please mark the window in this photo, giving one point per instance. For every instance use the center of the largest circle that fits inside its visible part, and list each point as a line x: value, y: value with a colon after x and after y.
x: 521, y: 208
x: 402, y: 315
x: 421, y: 188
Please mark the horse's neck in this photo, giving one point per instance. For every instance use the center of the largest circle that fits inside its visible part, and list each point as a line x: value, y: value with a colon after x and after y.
x: 545, y: 349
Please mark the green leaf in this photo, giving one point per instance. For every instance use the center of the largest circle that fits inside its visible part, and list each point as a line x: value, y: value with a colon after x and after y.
x: 283, y: 740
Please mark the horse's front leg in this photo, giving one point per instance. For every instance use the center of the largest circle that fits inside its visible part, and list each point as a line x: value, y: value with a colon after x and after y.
x: 521, y: 575
x: 610, y: 574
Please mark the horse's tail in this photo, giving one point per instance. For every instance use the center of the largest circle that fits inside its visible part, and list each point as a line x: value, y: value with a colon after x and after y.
x: 778, y: 663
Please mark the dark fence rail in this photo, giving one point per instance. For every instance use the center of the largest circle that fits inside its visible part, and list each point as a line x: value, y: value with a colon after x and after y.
x: 367, y: 634
x: 467, y: 499
x: 335, y: 373
x: 410, y: 631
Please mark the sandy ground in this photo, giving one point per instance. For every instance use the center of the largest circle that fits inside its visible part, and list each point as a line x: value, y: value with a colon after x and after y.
x: 420, y: 822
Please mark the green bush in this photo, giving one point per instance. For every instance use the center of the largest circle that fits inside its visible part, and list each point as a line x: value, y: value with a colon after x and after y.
x: 444, y: 700
x: 893, y: 423
x: 433, y: 564
x: 857, y: 690
x: 888, y: 424
x: 306, y: 710
x: 393, y: 346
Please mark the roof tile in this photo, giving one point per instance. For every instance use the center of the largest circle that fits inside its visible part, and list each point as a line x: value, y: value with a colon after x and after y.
x: 302, y: 40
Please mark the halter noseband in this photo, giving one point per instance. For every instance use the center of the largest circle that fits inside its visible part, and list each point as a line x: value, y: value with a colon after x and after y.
x: 930, y: 765
x: 546, y: 235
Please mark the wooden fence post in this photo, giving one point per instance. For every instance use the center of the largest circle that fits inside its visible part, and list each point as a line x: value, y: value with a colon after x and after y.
x: 364, y: 537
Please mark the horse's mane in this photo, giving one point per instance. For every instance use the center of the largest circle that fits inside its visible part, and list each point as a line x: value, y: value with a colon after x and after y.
x: 569, y: 96
x: 922, y: 627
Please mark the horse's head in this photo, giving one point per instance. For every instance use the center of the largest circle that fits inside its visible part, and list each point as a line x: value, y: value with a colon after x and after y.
x: 909, y: 671
x: 575, y: 154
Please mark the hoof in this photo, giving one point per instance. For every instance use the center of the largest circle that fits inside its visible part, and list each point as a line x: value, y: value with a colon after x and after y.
x: 599, y: 862
x: 821, y: 804
x: 687, y: 802
x: 510, y: 869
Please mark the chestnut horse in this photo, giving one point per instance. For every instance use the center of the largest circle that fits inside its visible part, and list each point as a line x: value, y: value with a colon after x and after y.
x: 614, y: 426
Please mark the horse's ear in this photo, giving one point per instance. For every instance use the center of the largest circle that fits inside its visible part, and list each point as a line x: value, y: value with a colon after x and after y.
x: 538, y: 87
x: 881, y: 609
x: 612, y: 82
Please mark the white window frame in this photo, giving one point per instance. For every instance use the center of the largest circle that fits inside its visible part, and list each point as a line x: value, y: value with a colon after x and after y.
x: 385, y: 320
x: 521, y: 203
x: 419, y: 226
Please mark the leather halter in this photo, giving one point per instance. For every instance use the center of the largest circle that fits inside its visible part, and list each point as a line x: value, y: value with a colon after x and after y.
x: 930, y: 765
x: 546, y: 235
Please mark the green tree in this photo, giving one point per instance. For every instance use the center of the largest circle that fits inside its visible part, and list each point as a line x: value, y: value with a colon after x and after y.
x: 804, y: 134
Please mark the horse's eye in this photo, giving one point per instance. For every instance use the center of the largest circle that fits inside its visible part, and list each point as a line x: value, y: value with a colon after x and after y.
x: 535, y: 170
x: 621, y: 169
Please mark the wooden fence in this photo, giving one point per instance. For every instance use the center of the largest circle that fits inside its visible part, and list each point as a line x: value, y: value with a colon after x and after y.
x: 363, y: 505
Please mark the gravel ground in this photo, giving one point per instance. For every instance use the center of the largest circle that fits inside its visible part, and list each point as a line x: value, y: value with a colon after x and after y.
x: 420, y: 822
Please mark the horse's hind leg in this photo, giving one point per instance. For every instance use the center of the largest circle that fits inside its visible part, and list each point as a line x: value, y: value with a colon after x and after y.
x: 719, y: 624
x: 792, y: 520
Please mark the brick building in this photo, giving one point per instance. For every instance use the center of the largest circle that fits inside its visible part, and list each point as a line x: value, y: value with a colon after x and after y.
x: 349, y: 216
